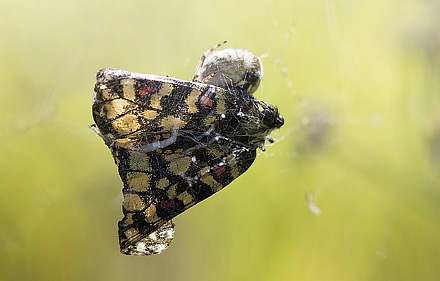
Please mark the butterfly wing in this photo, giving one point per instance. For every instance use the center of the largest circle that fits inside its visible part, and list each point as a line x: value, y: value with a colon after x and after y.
x: 175, y: 144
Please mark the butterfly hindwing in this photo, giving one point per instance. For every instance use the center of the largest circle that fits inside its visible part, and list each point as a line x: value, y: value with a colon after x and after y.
x: 168, y: 185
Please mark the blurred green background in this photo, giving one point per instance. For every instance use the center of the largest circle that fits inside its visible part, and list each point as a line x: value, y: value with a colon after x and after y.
x: 356, y: 81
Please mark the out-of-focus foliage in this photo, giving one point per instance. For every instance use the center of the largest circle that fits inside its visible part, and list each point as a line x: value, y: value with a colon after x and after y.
x: 357, y: 82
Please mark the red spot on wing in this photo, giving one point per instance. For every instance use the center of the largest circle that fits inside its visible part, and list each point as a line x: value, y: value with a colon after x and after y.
x: 205, y: 101
x: 220, y: 170
x: 166, y: 204
x: 145, y: 91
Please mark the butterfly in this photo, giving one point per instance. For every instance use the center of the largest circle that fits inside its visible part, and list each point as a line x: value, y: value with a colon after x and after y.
x: 177, y: 142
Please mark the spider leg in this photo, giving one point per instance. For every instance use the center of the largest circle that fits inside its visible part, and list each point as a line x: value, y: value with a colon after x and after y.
x: 202, y: 60
x: 207, y: 78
